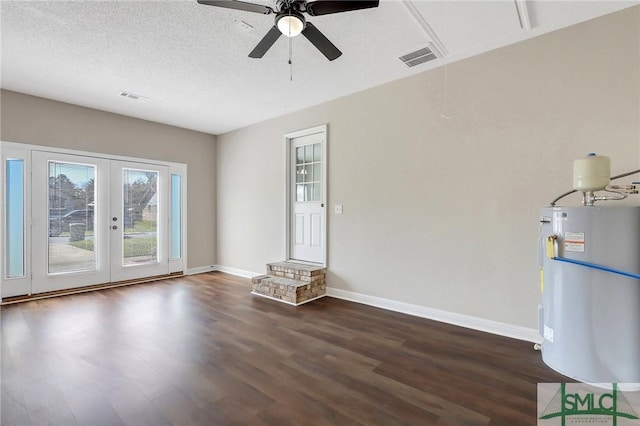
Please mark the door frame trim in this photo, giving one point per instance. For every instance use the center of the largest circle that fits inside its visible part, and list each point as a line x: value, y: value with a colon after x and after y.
x: 323, y: 128
x: 9, y: 149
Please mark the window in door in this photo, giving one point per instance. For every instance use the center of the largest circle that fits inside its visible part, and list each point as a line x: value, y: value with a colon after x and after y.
x: 309, y: 173
x: 71, y: 201
x: 140, y: 217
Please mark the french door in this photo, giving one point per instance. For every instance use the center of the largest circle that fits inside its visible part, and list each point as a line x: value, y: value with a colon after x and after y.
x: 138, y: 220
x: 96, y: 220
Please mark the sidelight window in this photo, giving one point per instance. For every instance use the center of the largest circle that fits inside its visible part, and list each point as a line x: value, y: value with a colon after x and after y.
x: 14, y: 219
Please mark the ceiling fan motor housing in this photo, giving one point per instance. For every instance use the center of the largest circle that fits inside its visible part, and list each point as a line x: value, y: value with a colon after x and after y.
x: 293, y: 5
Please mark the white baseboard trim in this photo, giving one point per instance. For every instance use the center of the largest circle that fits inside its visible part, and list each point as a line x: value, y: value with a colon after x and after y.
x: 237, y: 272
x: 200, y: 270
x: 468, y: 321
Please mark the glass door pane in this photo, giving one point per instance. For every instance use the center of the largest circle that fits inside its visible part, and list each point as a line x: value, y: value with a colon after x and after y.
x: 308, y: 179
x: 71, y: 201
x: 140, y: 216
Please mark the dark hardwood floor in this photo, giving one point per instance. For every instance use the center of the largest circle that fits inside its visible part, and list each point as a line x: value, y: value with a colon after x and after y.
x: 201, y: 350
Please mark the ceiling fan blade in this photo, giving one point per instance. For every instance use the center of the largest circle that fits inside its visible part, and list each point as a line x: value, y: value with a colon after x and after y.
x: 266, y: 43
x: 321, y: 42
x: 238, y: 5
x: 325, y: 7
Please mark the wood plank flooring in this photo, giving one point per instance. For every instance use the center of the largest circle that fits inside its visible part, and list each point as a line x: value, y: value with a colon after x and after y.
x: 201, y: 350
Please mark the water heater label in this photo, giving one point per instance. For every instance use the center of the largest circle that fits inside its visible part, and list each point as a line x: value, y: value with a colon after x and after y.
x: 548, y: 333
x: 574, y: 241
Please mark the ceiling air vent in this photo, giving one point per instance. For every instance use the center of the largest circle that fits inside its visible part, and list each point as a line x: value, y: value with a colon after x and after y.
x: 418, y: 57
x: 133, y: 96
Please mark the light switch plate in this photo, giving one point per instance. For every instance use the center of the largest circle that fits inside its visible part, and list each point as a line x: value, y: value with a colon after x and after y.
x: 337, y: 209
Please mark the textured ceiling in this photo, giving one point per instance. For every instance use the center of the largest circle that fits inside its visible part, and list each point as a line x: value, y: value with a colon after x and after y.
x: 191, y: 60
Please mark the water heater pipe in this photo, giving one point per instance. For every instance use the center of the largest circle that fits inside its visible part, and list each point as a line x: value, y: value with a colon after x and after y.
x: 599, y: 267
x: 553, y: 203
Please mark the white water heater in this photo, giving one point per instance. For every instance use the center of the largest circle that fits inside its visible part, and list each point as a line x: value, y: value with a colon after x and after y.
x: 590, y: 315
x: 590, y: 280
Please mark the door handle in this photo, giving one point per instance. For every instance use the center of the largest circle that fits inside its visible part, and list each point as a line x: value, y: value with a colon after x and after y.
x: 114, y: 227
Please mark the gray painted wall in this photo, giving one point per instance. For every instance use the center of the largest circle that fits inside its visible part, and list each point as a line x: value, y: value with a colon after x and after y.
x: 38, y: 121
x: 440, y: 212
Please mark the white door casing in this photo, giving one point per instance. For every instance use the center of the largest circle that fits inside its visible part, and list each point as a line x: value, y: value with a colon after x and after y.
x: 306, y: 200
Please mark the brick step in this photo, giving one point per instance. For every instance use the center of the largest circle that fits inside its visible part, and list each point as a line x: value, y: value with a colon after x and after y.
x: 295, y: 271
x: 291, y: 283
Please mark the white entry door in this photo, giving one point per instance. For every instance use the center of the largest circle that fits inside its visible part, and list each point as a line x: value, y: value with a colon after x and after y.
x: 138, y: 220
x: 307, y: 209
x: 96, y: 221
x: 70, y: 246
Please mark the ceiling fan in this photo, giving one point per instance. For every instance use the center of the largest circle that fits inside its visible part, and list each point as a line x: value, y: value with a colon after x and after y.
x: 290, y: 21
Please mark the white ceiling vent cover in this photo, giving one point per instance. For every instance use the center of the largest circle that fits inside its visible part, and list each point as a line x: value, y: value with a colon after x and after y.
x: 133, y: 96
x: 420, y: 56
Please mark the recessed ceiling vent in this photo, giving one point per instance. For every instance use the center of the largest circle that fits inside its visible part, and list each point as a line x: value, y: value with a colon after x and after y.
x: 420, y: 56
x: 244, y: 25
x: 133, y: 96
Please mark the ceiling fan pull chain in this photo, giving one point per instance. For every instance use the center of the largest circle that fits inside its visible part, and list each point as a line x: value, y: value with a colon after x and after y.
x: 290, y: 50
x: 290, y: 63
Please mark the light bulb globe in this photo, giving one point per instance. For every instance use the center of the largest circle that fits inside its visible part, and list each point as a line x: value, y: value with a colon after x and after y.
x: 290, y: 25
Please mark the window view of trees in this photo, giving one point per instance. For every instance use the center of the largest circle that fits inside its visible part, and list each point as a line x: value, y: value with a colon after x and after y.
x: 139, y: 191
x: 65, y: 195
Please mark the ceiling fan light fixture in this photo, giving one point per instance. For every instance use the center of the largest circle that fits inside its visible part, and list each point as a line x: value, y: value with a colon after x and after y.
x: 291, y: 25
x: 290, y: 21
